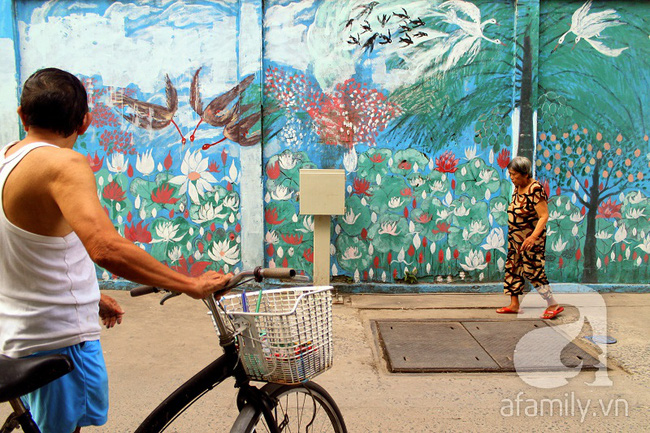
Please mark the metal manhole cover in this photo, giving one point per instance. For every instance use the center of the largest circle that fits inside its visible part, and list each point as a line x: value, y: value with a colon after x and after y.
x: 418, y: 346
x: 456, y: 346
x: 539, y: 347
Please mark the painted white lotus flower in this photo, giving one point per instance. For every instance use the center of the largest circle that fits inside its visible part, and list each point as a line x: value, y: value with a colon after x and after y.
x: 350, y: 161
x: 576, y: 217
x: 475, y: 227
x: 118, y: 163
x: 196, y: 179
x: 633, y: 214
x: 351, y: 253
x: 350, y: 218
x: 208, y: 212
x: 495, y: 240
x: 470, y: 153
x: 461, y: 211
x: 145, y: 163
x: 559, y: 246
x: 281, y: 193
x: 174, y: 254
x: 485, y: 176
x: 389, y: 228
x: 416, y: 181
x: 287, y: 161
x: 645, y: 245
x: 395, y: 202
x: 499, y: 207
x: 231, y: 202
x: 437, y: 186
x: 603, y: 235
x: 555, y: 215
x: 474, y: 261
x: 620, y: 234
x: 271, y: 237
x: 167, y: 232
x: 222, y: 251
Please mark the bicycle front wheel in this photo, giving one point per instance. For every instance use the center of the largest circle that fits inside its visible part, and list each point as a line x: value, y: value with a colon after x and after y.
x: 300, y: 408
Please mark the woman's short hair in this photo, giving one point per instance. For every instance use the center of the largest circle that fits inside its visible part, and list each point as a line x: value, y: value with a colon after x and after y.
x: 521, y: 165
x: 55, y: 100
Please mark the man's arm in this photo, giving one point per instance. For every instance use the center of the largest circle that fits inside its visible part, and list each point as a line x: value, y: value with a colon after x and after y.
x: 73, y: 189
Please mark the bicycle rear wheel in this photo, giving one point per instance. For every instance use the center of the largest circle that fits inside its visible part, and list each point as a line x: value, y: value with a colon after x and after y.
x: 301, y: 408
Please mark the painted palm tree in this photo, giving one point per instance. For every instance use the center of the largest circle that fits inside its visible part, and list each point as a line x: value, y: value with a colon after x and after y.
x: 588, y: 26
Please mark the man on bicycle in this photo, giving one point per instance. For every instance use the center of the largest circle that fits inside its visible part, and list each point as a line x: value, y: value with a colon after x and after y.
x: 52, y: 229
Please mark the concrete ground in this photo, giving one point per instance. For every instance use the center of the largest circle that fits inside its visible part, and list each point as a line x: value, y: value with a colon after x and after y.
x: 158, y: 347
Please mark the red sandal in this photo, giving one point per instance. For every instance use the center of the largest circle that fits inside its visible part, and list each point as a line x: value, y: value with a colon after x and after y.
x: 550, y: 314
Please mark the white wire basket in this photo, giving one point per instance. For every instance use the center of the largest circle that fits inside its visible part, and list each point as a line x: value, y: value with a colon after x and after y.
x: 284, y: 335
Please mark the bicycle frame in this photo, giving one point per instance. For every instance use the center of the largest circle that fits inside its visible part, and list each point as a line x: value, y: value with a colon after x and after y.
x: 226, y: 366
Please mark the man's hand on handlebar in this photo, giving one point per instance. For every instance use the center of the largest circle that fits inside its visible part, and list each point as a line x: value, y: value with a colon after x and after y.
x: 209, y: 282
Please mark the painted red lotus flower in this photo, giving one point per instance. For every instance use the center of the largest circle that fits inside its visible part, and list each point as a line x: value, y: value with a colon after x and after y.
x: 213, y: 167
x: 273, y: 171
x: 308, y: 255
x: 95, y: 163
x: 164, y: 194
x: 271, y: 216
x: 447, y: 162
x: 406, y: 192
x: 113, y: 191
x: 424, y: 218
x: 377, y: 158
x: 190, y: 268
x: 609, y: 209
x: 361, y: 186
x: 292, y: 239
x: 442, y: 227
x: 504, y: 158
x: 404, y: 165
x: 137, y: 233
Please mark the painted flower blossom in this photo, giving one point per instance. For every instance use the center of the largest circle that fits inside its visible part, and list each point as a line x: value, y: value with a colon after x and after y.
x: 389, y: 228
x: 504, y: 158
x: 95, y: 163
x: 361, y: 186
x: 164, y: 194
x: 196, y: 179
x: 495, y: 240
x: 118, y: 163
x: 287, y: 161
x: 609, y: 209
x: 350, y: 217
x: 447, y: 162
x: 137, y: 233
x: 222, y: 251
x: 167, y: 231
x: 281, y: 193
x: 559, y: 245
x: 208, y: 212
x: 474, y: 261
x: 145, y: 163
x: 351, y: 253
x: 271, y: 237
x: 113, y: 191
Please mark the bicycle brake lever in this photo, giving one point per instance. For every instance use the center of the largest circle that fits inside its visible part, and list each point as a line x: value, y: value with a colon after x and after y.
x: 169, y: 296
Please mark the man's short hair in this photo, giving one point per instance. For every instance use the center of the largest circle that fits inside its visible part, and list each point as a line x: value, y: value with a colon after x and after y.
x: 55, y: 100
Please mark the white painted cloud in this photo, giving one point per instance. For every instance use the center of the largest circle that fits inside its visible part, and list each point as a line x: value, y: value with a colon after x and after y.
x: 135, y: 44
x: 285, y: 39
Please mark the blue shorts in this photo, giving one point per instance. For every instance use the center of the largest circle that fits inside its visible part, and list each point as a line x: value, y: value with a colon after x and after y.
x: 78, y: 399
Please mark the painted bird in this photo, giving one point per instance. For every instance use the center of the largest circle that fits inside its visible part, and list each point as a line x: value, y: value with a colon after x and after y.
x: 222, y: 109
x: 588, y: 27
x: 147, y: 115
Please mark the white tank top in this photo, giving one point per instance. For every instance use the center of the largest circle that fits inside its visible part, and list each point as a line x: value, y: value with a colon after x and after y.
x: 49, y: 295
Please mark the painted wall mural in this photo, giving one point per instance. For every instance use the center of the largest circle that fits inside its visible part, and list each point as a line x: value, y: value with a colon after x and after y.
x: 205, y: 111
x: 449, y: 92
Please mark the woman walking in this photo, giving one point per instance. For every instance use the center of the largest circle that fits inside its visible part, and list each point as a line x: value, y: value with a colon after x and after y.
x: 527, y: 217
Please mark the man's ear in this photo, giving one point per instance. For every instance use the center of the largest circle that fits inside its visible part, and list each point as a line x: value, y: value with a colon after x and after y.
x: 22, y: 118
x: 88, y: 118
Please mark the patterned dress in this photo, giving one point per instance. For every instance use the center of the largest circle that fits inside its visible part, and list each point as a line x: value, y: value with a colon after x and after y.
x: 522, y: 220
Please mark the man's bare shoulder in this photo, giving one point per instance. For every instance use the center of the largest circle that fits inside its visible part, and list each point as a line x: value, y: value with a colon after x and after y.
x: 53, y: 161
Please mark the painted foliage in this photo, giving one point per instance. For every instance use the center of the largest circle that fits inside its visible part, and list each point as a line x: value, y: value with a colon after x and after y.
x: 169, y: 117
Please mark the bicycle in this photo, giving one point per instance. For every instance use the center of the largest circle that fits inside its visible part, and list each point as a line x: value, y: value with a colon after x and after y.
x: 279, y: 336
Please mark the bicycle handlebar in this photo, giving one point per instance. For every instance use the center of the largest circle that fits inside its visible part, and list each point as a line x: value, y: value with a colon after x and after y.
x: 258, y: 274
